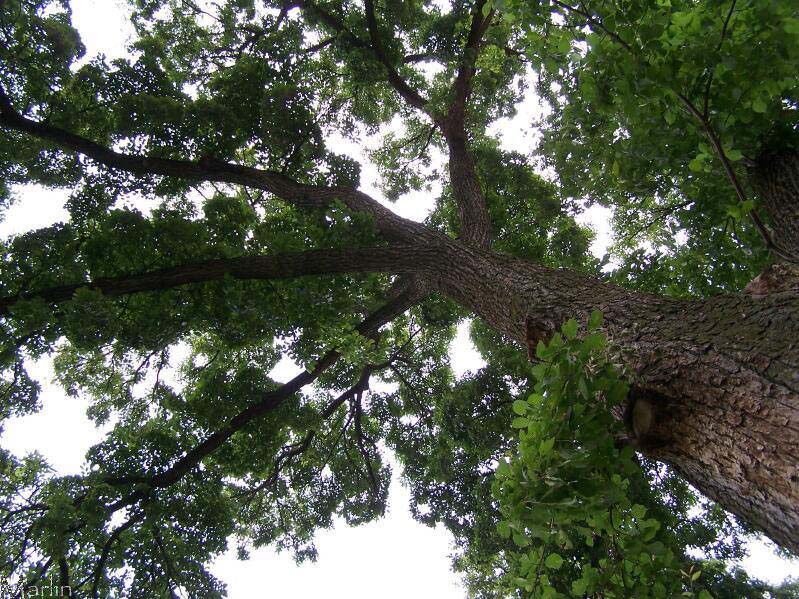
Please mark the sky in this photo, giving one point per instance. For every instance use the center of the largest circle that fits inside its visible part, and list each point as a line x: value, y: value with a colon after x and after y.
x: 395, y: 557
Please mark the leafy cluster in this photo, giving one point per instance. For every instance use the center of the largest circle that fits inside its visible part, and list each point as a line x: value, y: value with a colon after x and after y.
x: 639, y: 91
x: 567, y: 495
x: 587, y: 516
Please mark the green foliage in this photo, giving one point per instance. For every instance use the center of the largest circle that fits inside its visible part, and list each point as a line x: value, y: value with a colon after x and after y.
x: 573, y: 498
x: 570, y: 513
x: 617, y: 78
x: 565, y: 495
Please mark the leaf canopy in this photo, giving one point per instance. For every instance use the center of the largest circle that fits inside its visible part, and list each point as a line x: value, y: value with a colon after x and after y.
x: 206, y: 448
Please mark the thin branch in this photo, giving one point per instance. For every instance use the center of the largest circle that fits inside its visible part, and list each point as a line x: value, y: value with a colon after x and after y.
x: 410, y: 95
x: 661, y: 214
x: 706, y: 100
x: 269, y: 401
x: 359, y: 437
x: 107, y: 546
x: 320, y: 46
x: 291, y: 451
x: 733, y: 179
x: 594, y: 22
x: 420, y: 57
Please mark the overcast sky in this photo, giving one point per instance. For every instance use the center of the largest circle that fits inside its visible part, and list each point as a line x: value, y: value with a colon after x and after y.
x: 393, y: 558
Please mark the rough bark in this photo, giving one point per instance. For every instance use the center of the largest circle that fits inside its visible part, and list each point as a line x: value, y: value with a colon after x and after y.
x: 475, y: 220
x: 776, y: 178
x: 722, y: 374
x: 472, y: 210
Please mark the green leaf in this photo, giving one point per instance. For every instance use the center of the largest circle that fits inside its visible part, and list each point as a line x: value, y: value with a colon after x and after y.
x: 503, y: 528
x: 553, y: 561
x: 579, y: 587
x: 791, y: 25
x: 520, y: 540
x: 759, y: 105
x: 520, y: 423
x: 697, y: 164
x: 545, y: 447
x: 595, y: 320
x: 569, y: 329
x: 734, y: 155
x: 540, y: 349
x: 520, y: 407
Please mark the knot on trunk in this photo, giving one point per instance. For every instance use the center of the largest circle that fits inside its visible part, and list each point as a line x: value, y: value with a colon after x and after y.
x: 645, y: 417
x: 537, y: 329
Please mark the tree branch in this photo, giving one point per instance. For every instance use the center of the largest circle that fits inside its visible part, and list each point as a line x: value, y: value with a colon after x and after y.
x: 462, y: 86
x: 704, y: 123
x: 295, y: 193
x: 474, y: 218
x: 594, y: 22
x: 706, y: 126
x: 290, y: 451
x: 391, y: 258
x: 410, y: 95
x: 405, y: 297
x: 106, y: 551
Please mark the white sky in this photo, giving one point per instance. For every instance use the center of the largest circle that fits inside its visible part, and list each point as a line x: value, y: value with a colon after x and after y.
x: 395, y: 557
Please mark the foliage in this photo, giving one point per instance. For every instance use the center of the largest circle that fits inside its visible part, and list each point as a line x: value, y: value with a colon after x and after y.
x: 620, y: 78
x: 206, y: 445
x: 567, y: 497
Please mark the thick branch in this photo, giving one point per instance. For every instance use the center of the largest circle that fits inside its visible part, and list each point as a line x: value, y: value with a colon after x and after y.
x: 392, y: 258
x: 288, y: 190
x: 472, y: 209
x: 462, y: 87
x: 474, y: 218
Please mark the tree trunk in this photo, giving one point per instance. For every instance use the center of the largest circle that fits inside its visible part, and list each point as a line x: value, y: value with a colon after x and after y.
x: 776, y: 178
x: 721, y: 375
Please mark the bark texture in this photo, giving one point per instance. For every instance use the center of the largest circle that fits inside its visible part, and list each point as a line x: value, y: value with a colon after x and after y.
x: 776, y: 178
x: 397, y: 259
x: 722, y: 374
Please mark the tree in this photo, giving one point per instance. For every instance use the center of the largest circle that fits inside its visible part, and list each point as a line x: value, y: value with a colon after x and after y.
x: 262, y: 245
